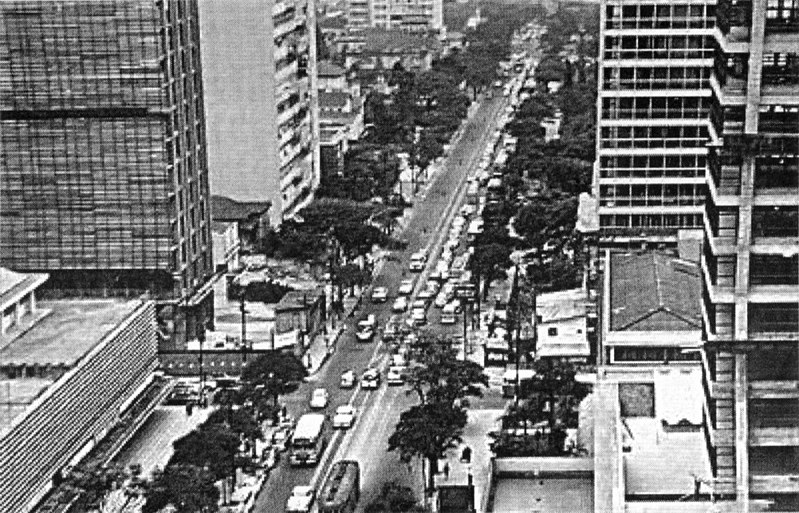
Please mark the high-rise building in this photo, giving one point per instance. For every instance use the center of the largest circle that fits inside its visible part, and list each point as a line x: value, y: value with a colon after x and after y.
x: 259, y: 71
x: 751, y: 254
x: 103, y: 178
x: 654, y: 96
x: 406, y: 15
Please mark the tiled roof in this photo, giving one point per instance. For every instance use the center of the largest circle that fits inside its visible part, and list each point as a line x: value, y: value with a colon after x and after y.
x: 654, y: 292
x: 328, y: 69
x: 226, y: 209
x: 333, y: 99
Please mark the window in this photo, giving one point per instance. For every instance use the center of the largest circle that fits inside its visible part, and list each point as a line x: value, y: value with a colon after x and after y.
x: 552, y: 332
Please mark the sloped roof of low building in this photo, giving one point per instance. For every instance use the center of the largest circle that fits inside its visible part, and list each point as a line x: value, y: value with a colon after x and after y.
x: 654, y: 292
x: 227, y: 209
x: 329, y: 69
x: 333, y: 99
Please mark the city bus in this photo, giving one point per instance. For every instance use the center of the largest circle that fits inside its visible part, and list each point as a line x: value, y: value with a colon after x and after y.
x: 308, y: 442
x: 342, y: 489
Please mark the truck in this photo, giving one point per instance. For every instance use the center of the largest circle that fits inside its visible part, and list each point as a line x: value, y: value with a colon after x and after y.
x: 307, y: 442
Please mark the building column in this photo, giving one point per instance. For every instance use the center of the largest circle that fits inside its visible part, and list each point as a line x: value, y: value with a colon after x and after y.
x: 741, y: 434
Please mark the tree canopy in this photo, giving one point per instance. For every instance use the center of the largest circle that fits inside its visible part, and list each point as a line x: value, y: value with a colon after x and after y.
x: 439, y: 377
x: 212, y: 446
x: 269, y: 376
x: 189, y: 489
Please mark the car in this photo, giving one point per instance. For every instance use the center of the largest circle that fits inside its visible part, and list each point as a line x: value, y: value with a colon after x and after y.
x: 398, y: 360
x: 301, y: 499
x: 370, y: 379
x: 319, y: 399
x: 406, y: 288
x: 441, y: 299
x: 426, y: 294
x: 347, y: 379
x: 400, y: 304
x: 433, y: 285
x: 395, y: 376
x: 419, y: 316
x: 379, y: 295
x: 498, y: 83
x: 370, y: 321
x: 280, y: 438
x: 419, y: 304
x: 270, y: 456
x: 344, y: 417
x: 365, y: 335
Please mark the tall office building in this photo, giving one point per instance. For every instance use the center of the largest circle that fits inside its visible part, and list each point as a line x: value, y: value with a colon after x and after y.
x: 654, y: 96
x: 259, y: 71
x: 406, y: 15
x: 103, y: 178
x: 751, y: 263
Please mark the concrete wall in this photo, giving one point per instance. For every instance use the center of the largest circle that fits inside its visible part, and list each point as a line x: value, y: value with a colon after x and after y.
x: 534, y: 466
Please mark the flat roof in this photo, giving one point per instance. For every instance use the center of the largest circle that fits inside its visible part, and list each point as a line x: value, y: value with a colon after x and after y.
x: 14, y: 284
x: 654, y: 291
x: 67, y: 332
x: 563, y: 304
x: 550, y: 495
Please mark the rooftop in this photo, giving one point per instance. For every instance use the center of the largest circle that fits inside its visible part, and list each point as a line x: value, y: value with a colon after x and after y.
x: 564, y: 304
x: 588, y: 214
x: 68, y: 330
x: 654, y: 292
x: 328, y: 69
x: 14, y: 284
x: 333, y: 99
x: 396, y: 41
x: 298, y: 298
x: 226, y: 209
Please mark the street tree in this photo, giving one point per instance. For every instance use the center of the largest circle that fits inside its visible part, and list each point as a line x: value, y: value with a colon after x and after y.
x: 188, y: 488
x: 439, y: 377
x: 211, y: 446
x: 427, y: 431
x: 241, y: 421
x: 556, y: 390
x: 269, y: 376
x: 490, y: 262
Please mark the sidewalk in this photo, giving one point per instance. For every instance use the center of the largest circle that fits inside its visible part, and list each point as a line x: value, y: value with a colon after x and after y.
x: 475, y: 436
x: 324, y: 344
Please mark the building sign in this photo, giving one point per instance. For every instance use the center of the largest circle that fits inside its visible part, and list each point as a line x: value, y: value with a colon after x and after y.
x: 464, y: 291
x: 287, y: 339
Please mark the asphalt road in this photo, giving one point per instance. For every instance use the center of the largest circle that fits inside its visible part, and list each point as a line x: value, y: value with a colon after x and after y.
x: 379, y: 410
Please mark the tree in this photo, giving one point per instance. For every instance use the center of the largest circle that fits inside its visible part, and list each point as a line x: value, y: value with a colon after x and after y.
x: 269, y: 376
x: 440, y: 378
x: 557, y: 391
x: 92, y: 483
x: 395, y: 498
x: 188, y: 488
x: 489, y: 262
x: 211, y: 446
x: 427, y: 431
x: 239, y: 421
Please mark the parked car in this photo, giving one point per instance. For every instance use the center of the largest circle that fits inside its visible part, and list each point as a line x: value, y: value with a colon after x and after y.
x: 280, y: 438
x: 347, y: 379
x: 365, y: 335
x: 379, y: 295
x: 370, y: 321
x: 395, y: 376
x: 270, y: 457
x: 426, y: 294
x: 301, y: 499
x: 406, y: 288
x: 319, y: 399
x: 370, y: 379
x: 344, y: 417
x: 400, y: 304
x: 419, y: 316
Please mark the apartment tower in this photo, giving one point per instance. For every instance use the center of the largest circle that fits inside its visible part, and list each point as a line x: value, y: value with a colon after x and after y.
x: 405, y: 15
x: 750, y: 263
x: 103, y: 177
x: 653, y: 102
x: 259, y: 71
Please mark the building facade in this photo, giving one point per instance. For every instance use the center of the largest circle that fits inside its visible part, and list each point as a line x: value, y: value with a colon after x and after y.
x: 406, y: 15
x: 653, y: 102
x: 259, y: 70
x: 750, y: 262
x: 66, y: 379
x: 104, y: 183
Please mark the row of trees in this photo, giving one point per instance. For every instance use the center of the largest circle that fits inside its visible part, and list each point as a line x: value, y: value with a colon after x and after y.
x: 442, y: 383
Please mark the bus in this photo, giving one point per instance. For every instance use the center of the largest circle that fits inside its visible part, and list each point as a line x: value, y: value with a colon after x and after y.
x: 342, y: 489
x: 308, y: 442
x: 509, y: 382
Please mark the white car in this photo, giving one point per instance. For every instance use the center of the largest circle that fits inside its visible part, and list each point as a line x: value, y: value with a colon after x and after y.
x: 406, y: 287
x: 319, y: 399
x: 441, y: 299
x: 369, y: 322
x: 400, y: 304
x: 419, y: 304
x: 419, y: 316
x: 365, y: 335
x: 394, y: 376
x: 344, y: 417
x: 370, y: 379
x: 379, y: 295
x: 426, y: 294
x: 301, y: 499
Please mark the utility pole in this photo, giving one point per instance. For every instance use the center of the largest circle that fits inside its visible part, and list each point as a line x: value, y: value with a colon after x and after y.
x: 465, y: 305
x: 516, y: 328
x: 243, y: 309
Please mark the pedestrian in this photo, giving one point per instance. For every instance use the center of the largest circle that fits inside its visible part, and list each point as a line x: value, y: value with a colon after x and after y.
x: 446, y: 470
x: 283, y: 411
